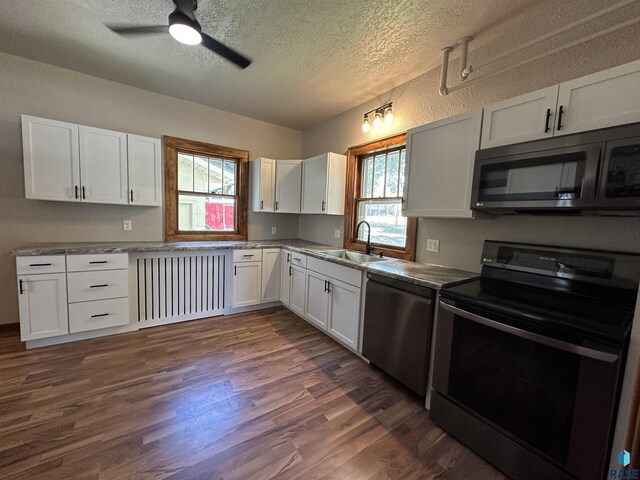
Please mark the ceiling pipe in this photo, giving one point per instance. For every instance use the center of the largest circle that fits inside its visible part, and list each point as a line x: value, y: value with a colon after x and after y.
x: 443, y: 73
x: 465, y: 70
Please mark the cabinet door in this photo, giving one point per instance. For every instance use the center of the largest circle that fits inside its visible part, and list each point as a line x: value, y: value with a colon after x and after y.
x: 51, y: 159
x: 317, y: 303
x: 270, y: 275
x: 285, y: 277
x: 42, y: 300
x: 519, y: 119
x: 143, y: 160
x: 263, y: 185
x: 439, y: 172
x: 247, y: 279
x: 344, y: 312
x: 314, y: 184
x: 288, y: 186
x: 298, y: 295
x: 337, y: 177
x: 103, y: 165
x: 603, y: 99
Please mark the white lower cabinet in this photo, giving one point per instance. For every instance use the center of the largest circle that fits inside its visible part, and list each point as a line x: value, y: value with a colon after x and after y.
x: 344, y: 312
x: 42, y: 301
x: 271, y: 277
x: 317, y: 299
x: 285, y: 277
x: 298, y: 290
x: 247, y: 284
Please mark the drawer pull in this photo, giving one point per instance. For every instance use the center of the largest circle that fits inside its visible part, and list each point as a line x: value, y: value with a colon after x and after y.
x: 98, y: 261
x: 100, y: 315
x: 297, y: 259
x: 21, y: 287
x: 248, y: 256
x: 99, y: 286
x: 39, y: 264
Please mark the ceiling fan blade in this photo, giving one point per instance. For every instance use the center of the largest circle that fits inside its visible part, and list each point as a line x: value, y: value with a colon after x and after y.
x: 126, y: 30
x: 224, y: 51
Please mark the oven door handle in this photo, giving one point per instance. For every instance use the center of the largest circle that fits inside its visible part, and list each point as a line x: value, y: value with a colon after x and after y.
x: 534, y: 337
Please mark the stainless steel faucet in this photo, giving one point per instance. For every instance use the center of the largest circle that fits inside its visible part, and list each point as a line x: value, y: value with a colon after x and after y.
x: 368, y: 247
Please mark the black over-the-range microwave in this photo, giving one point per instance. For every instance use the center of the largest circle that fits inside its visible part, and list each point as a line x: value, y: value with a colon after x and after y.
x: 590, y: 172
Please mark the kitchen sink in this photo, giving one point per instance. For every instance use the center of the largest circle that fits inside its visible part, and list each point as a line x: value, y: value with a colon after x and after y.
x: 353, y: 256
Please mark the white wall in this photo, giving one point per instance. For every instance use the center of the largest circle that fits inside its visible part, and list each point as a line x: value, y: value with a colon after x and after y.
x: 417, y: 102
x: 37, y: 89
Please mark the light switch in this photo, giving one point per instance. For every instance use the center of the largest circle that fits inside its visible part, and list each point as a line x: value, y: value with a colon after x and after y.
x: 273, y: 230
x: 337, y: 233
x: 126, y: 225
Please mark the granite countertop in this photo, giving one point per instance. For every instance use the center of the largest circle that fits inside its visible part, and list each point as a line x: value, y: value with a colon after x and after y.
x: 424, y: 274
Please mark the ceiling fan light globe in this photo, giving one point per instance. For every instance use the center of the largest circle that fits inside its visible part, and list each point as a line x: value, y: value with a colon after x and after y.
x: 185, y: 34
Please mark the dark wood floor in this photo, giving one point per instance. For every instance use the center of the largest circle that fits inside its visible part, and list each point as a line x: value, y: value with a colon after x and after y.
x: 253, y: 396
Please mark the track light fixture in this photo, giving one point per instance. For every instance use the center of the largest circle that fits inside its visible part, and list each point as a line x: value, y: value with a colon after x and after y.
x: 384, y: 112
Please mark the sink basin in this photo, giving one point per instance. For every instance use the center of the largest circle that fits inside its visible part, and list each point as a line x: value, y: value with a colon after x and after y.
x: 353, y: 256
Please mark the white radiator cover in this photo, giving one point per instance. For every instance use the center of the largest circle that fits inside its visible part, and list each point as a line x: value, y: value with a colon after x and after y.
x: 172, y: 287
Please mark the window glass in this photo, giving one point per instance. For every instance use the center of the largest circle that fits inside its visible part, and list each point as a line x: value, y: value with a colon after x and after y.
x: 215, y: 175
x: 367, y: 178
x: 388, y: 226
x: 379, y: 176
x: 185, y: 172
x: 206, y: 213
x: 200, y: 174
x: 229, y: 180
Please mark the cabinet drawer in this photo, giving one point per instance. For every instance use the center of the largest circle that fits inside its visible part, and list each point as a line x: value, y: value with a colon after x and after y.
x: 40, y: 264
x: 104, y: 261
x: 299, y: 259
x: 337, y: 272
x: 100, y: 285
x: 99, y: 314
x: 252, y: 255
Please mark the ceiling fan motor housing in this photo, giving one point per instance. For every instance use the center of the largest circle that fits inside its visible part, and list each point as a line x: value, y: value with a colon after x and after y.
x: 185, y: 14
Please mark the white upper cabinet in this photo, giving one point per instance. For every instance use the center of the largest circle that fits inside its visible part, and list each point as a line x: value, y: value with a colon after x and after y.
x: 70, y: 162
x: 323, y: 184
x: 439, y: 172
x: 603, y: 99
x: 263, y: 171
x: 520, y: 119
x: 145, y: 167
x: 103, y: 165
x: 288, y: 184
x: 51, y: 159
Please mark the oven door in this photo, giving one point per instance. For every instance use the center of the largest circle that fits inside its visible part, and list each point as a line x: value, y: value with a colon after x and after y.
x: 563, y: 178
x: 554, y: 398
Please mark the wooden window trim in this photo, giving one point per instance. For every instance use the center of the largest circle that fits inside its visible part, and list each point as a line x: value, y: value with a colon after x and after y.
x: 171, y: 147
x: 353, y: 186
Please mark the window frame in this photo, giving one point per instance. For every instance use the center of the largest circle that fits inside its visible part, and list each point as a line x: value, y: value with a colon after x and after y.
x: 353, y: 189
x: 175, y: 145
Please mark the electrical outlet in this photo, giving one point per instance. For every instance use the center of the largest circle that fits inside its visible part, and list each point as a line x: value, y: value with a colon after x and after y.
x: 126, y: 225
x: 433, y: 245
x: 337, y: 233
x: 273, y: 230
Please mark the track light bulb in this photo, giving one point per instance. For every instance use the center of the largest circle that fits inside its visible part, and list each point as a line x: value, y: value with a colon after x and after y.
x: 388, y: 115
x: 377, y: 120
x: 366, y: 126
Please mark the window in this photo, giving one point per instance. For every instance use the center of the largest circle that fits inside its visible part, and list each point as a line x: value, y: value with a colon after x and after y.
x: 206, y: 190
x: 375, y: 186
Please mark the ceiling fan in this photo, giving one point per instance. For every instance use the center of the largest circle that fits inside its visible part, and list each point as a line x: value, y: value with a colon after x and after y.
x: 184, y: 27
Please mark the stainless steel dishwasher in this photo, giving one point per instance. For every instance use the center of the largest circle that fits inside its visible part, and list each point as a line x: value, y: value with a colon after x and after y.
x: 398, y: 322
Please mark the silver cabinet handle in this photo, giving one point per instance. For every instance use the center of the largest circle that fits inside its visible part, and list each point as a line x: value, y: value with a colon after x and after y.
x: 534, y: 337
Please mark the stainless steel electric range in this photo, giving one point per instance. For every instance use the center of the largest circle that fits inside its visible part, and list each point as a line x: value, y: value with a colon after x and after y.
x: 529, y: 358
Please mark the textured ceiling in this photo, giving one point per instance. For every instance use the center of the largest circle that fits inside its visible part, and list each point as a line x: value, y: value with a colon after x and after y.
x: 313, y: 59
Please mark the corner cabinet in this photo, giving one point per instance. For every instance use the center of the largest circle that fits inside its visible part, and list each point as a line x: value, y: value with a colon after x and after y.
x: 603, y: 99
x: 323, y: 184
x: 263, y: 186
x: 439, y: 172
x: 75, y: 163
